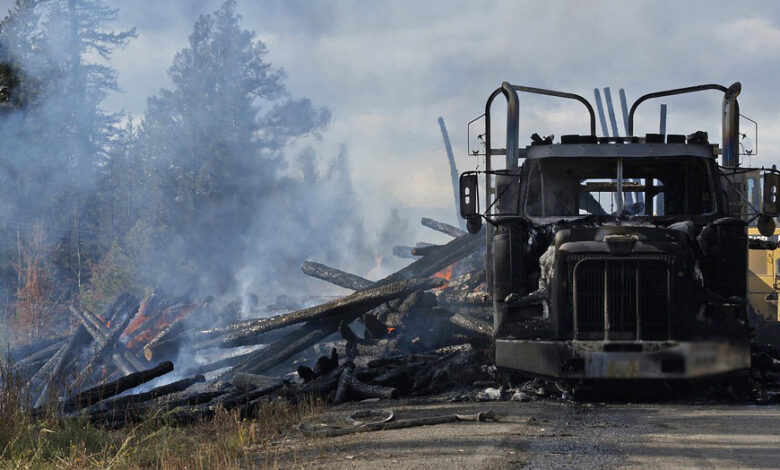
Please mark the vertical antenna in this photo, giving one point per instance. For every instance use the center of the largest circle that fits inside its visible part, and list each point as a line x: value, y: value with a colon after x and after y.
x: 611, y: 111
x: 600, y: 108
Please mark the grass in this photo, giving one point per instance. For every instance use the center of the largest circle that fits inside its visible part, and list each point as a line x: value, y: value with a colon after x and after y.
x: 225, y: 441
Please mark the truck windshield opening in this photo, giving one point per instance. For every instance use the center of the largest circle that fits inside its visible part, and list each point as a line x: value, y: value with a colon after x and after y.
x: 638, y: 186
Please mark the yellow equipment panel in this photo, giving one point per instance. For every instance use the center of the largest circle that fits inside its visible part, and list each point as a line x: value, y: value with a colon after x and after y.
x: 762, y: 278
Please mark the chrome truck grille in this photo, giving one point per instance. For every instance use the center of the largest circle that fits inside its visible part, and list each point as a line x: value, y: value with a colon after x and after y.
x: 621, y: 298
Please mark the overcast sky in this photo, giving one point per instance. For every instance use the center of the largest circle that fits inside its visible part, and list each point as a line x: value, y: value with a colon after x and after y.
x: 387, y: 70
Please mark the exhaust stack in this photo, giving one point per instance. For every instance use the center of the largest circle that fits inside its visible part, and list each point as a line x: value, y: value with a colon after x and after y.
x: 731, y: 126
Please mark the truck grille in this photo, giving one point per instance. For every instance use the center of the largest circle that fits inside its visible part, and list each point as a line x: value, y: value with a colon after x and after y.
x: 621, y: 298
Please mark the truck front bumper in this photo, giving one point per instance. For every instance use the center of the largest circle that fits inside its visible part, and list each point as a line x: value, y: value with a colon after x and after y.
x: 623, y: 360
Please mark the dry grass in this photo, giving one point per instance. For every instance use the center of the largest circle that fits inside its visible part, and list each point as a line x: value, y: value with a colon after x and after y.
x: 224, y: 441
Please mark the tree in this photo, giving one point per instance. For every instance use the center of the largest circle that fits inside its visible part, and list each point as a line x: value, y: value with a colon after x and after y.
x: 55, y: 140
x: 217, y: 150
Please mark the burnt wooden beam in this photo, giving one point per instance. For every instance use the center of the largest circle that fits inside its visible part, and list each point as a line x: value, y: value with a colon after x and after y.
x: 122, y: 316
x: 439, y: 258
x: 167, y: 341
x: 335, y: 276
x: 247, y: 333
x: 448, y: 229
x: 403, y: 251
x: 157, y: 392
x: 424, y: 250
x: 102, y: 392
x: 54, y: 368
x: 126, y: 363
x: 478, y: 331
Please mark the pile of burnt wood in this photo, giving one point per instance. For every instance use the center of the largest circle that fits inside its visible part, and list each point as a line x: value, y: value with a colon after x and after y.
x: 418, y: 331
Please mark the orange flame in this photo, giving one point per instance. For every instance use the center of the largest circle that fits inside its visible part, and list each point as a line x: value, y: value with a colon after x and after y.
x: 445, y: 274
x: 390, y: 329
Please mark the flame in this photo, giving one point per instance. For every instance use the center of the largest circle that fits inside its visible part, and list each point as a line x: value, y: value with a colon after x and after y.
x: 377, y: 270
x: 390, y: 329
x: 445, y: 274
x: 167, y: 317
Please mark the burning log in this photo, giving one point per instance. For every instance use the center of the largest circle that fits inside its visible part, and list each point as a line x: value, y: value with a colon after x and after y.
x: 351, y: 306
x: 167, y: 341
x: 101, y: 392
x: 439, y: 259
x: 454, y: 232
x: 145, y: 314
x: 335, y: 276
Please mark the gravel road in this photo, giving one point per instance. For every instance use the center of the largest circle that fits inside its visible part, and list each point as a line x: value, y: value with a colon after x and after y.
x: 551, y: 434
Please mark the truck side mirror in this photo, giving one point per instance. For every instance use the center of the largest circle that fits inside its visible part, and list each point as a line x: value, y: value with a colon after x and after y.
x: 771, y: 204
x: 469, y: 201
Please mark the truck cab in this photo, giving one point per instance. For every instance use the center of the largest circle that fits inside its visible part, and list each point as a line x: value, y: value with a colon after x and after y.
x: 614, y: 258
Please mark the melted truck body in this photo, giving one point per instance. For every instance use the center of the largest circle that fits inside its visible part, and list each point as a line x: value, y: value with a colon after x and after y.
x: 614, y: 258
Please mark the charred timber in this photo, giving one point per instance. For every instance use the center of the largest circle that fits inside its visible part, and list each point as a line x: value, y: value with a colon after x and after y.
x: 220, y: 364
x: 362, y: 391
x: 126, y: 363
x: 164, y: 390
x: 249, y: 382
x: 335, y: 276
x: 477, y: 328
x: 246, y: 333
x: 440, y: 258
x: 167, y: 340
x: 22, y: 352
x: 454, y: 232
x: 54, y: 368
x: 343, y: 385
x: 102, y: 392
x: 424, y: 250
x: 402, y: 251
x: 289, y: 345
x: 123, y: 315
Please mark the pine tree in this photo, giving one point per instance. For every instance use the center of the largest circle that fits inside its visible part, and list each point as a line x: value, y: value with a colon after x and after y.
x: 218, y: 151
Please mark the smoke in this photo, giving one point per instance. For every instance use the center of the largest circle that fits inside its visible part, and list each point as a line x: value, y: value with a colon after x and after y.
x: 220, y: 187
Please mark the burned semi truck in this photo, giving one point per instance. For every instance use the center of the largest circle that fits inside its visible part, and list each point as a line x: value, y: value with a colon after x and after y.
x: 615, y: 257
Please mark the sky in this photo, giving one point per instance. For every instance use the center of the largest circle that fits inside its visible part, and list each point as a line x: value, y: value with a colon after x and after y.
x: 388, y: 70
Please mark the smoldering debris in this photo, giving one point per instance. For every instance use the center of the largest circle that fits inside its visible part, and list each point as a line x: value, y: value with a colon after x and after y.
x: 419, y: 331
x: 424, y: 331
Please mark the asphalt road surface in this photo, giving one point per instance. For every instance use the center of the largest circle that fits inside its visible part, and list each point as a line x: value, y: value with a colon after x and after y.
x: 551, y: 434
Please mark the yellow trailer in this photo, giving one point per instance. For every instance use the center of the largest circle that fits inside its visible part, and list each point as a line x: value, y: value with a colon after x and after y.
x: 762, y: 276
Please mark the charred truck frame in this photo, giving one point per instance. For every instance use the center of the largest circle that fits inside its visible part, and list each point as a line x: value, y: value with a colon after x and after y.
x: 616, y: 257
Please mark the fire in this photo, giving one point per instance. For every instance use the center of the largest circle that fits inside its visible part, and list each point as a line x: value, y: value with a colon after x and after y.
x: 445, y: 274
x: 390, y: 329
